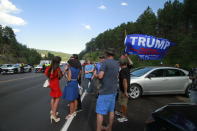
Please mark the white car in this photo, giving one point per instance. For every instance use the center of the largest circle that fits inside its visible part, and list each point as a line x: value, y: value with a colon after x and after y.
x: 10, y: 68
x: 0, y: 68
x: 27, y: 68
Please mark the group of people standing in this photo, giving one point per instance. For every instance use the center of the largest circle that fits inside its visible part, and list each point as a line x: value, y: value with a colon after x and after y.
x: 72, y: 74
x: 107, y: 74
x: 113, y: 73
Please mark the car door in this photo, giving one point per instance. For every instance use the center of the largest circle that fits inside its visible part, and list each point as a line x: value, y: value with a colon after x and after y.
x: 177, y: 81
x: 155, y: 82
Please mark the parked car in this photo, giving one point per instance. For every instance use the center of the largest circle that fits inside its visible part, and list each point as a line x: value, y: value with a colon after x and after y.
x: 159, y: 80
x: 173, y: 117
x: 10, y: 68
x: 27, y: 68
x: 0, y: 68
x: 38, y: 68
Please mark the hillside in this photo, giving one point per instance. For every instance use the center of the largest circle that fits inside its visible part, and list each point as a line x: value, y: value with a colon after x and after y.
x: 64, y: 56
x: 11, y: 51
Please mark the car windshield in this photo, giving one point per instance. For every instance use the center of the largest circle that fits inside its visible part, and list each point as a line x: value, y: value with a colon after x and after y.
x: 141, y: 71
x: 16, y: 65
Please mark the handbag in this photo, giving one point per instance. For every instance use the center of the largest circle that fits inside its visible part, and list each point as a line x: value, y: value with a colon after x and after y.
x: 46, y: 83
x: 80, y: 90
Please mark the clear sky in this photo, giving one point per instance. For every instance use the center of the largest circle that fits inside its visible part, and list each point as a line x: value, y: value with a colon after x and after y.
x: 66, y: 25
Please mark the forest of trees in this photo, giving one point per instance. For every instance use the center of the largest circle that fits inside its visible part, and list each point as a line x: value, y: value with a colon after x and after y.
x: 11, y: 51
x: 177, y: 22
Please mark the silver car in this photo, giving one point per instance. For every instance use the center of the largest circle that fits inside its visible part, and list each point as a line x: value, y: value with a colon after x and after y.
x: 159, y: 80
x: 27, y: 68
x: 10, y: 68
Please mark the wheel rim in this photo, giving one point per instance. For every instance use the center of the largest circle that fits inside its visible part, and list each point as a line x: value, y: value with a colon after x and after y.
x: 134, y: 92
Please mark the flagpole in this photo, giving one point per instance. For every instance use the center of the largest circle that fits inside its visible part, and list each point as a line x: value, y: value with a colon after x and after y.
x: 125, y: 34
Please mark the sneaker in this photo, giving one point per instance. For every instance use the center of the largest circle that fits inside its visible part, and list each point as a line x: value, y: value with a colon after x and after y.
x: 118, y: 113
x: 122, y: 119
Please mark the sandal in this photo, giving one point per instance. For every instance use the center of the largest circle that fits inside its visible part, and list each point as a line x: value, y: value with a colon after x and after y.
x: 68, y: 116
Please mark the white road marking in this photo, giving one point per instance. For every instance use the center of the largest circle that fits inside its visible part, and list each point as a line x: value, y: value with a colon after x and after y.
x: 83, y: 95
x: 68, y: 122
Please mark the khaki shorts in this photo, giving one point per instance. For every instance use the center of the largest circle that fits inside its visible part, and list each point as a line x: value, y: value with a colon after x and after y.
x: 97, y: 83
x: 122, y: 99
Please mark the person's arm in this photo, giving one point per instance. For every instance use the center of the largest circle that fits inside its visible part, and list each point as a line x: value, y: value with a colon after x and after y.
x: 102, y: 71
x: 79, y: 76
x: 69, y: 75
x: 129, y: 60
x: 65, y: 70
x: 92, y: 70
x: 86, y: 72
x: 101, y: 74
x: 94, y: 73
x: 60, y: 74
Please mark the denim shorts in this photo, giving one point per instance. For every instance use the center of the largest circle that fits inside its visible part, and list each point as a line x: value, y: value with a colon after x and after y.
x: 105, y: 104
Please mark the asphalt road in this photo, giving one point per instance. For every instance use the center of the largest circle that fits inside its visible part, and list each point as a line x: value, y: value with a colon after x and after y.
x: 24, y: 106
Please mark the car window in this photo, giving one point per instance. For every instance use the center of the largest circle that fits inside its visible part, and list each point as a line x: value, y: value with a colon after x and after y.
x: 17, y: 66
x: 9, y: 65
x: 157, y: 73
x: 4, y: 66
x: 182, y: 73
x: 174, y: 72
x: 140, y: 72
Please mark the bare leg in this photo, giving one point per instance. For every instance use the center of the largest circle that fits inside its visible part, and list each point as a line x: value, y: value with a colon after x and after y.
x: 99, y: 122
x: 75, y: 105
x: 52, y: 104
x: 121, y: 110
x: 111, y: 120
x: 72, y: 107
x: 56, y: 103
x: 124, y: 110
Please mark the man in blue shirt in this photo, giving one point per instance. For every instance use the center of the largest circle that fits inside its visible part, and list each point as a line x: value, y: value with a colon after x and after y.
x: 107, y: 93
x: 89, y: 69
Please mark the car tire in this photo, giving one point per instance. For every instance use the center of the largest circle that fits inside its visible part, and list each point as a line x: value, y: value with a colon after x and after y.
x: 187, y: 91
x: 135, y: 91
x: 15, y: 71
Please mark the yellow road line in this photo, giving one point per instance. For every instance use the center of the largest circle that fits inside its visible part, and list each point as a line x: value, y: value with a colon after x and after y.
x: 18, y: 79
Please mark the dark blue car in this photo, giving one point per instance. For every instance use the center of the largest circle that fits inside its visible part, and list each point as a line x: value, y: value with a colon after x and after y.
x: 173, y: 117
